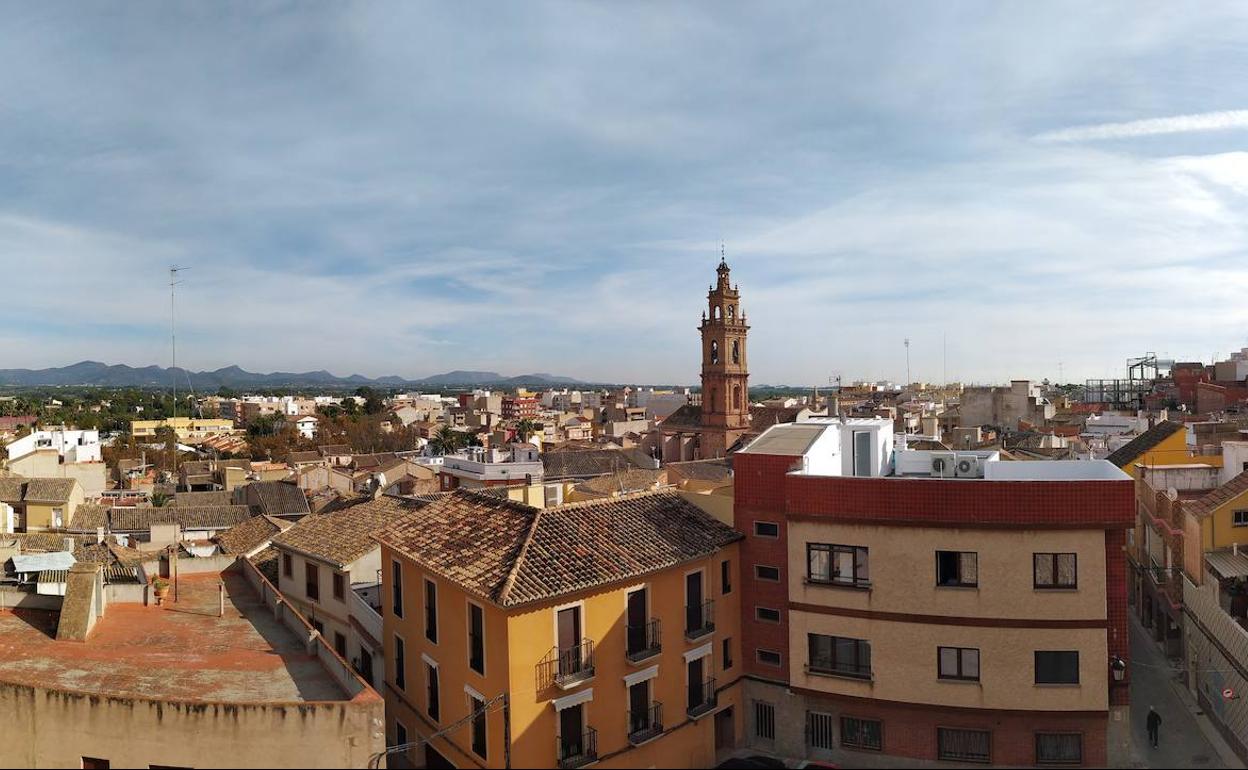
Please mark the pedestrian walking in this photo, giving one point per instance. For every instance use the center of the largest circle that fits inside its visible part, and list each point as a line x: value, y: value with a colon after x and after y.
x: 1154, y: 725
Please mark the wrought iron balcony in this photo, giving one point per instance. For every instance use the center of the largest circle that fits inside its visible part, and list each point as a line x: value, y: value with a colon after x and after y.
x: 699, y: 620
x: 645, y: 724
x: 566, y: 667
x: 577, y: 750
x: 702, y: 699
x: 643, y: 641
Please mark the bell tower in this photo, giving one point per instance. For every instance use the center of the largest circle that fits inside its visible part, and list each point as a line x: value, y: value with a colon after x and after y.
x: 725, y: 377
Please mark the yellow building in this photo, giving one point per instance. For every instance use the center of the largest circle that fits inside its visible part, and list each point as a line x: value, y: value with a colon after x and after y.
x: 190, y: 430
x: 1163, y: 444
x: 604, y: 632
x: 33, y: 505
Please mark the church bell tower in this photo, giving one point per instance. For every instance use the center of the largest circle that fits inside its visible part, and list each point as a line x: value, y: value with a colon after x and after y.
x: 725, y: 377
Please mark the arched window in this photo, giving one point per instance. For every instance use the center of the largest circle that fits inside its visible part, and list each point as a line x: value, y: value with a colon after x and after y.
x: 736, y: 351
x: 714, y: 351
x: 732, y: 312
x: 736, y: 396
x: 715, y: 312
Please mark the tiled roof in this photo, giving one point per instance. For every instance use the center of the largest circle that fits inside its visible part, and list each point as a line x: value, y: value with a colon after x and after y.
x: 250, y: 534
x: 334, y: 449
x: 277, y: 498
x: 266, y: 562
x: 49, y: 490
x: 199, y: 499
x: 11, y: 489
x: 635, y: 480
x: 701, y: 470
x: 295, y: 458
x: 1137, y: 446
x: 584, y: 464
x: 513, y: 554
x: 128, y: 519
x: 1203, y: 506
x: 763, y: 417
x: 687, y: 417
x: 345, y: 535
x: 373, y: 461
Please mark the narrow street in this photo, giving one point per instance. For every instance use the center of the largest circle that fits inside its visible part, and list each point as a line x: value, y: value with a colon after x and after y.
x: 1187, y: 738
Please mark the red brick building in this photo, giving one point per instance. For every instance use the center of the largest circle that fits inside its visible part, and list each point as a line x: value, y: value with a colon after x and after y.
x: 520, y: 407
x: 930, y: 605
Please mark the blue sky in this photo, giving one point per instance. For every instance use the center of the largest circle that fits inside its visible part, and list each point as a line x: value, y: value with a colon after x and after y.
x: 410, y: 188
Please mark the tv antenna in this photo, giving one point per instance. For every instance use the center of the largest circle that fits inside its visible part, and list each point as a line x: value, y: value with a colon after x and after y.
x: 173, y: 347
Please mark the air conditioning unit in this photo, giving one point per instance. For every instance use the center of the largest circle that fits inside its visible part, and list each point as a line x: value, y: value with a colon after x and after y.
x: 966, y: 467
x: 942, y: 464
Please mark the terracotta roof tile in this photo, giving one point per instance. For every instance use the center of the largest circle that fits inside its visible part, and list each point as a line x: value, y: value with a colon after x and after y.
x: 1137, y: 446
x: 1207, y: 504
x: 513, y: 554
x: 250, y: 534
x: 345, y: 535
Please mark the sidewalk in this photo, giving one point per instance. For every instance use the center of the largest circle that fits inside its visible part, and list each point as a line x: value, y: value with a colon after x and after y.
x: 1188, y: 739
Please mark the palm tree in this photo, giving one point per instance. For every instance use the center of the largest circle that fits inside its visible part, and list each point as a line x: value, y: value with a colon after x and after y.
x: 446, y: 441
x: 526, y: 428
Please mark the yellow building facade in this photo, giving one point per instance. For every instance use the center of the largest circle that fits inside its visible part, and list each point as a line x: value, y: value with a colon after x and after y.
x: 189, y: 430
x: 640, y: 671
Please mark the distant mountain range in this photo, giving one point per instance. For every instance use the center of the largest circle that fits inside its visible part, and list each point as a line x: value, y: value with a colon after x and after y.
x: 120, y: 375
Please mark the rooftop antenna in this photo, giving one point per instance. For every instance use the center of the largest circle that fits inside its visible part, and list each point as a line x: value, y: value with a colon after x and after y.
x: 908, y: 362
x: 173, y: 346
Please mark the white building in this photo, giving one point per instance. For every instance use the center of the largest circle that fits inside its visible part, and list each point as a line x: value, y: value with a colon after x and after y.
x: 73, y: 446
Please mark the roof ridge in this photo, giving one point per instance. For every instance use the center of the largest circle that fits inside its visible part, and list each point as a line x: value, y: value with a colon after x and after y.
x: 665, y: 490
x: 512, y: 574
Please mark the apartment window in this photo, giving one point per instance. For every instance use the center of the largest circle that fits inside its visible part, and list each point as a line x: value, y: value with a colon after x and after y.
x: 839, y: 655
x: 766, y: 529
x: 1239, y: 519
x: 768, y: 657
x: 1059, y: 749
x: 288, y: 568
x: 431, y: 611
x: 957, y: 568
x: 1057, y: 667
x: 725, y: 577
x: 433, y: 706
x: 312, y: 581
x: 476, y: 639
x: 958, y: 663
x: 837, y: 564
x: 400, y: 734
x: 339, y: 587
x: 477, y: 707
x: 764, y: 720
x: 400, y: 663
x: 767, y: 614
x: 863, y: 734
x: 340, y: 645
x: 1055, y: 570
x: 726, y: 657
x: 963, y: 745
x: 764, y: 572
x: 819, y: 731
x: 396, y: 588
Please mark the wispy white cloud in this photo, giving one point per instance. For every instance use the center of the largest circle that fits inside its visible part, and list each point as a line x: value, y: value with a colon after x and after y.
x: 1175, y: 124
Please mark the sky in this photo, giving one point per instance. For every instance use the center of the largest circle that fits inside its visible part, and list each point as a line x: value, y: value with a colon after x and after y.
x: 1022, y: 190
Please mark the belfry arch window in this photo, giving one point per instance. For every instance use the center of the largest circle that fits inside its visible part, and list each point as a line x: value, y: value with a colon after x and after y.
x: 715, y: 312
x: 732, y: 312
x: 714, y: 351
x: 736, y: 351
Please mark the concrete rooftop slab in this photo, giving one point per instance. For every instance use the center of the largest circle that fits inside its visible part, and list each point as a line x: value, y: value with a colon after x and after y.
x: 183, y: 652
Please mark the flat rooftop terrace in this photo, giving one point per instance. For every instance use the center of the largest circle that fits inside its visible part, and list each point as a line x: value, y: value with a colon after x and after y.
x: 183, y: 652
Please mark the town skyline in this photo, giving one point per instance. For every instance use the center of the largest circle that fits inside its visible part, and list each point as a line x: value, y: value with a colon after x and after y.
x: 411, y: 203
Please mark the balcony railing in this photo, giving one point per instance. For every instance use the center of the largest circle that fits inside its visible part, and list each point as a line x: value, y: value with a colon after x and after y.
x: 699, y: 619
x: 645, y: 724
x: 702, y: 698
x: 577, y: 750
x: 644, y: 641
x: 566, y: 667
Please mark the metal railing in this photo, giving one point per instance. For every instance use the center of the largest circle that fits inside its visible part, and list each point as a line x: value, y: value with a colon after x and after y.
x: 645, y: 724
x: 643, y: 641
x: 702, y: 698
x: 577, y: 750
x: 567, y: 666
x: 700, y: 619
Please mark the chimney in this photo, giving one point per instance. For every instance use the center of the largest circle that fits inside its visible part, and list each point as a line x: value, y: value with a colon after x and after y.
x: 99, y: 535
x: 69, y: 544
